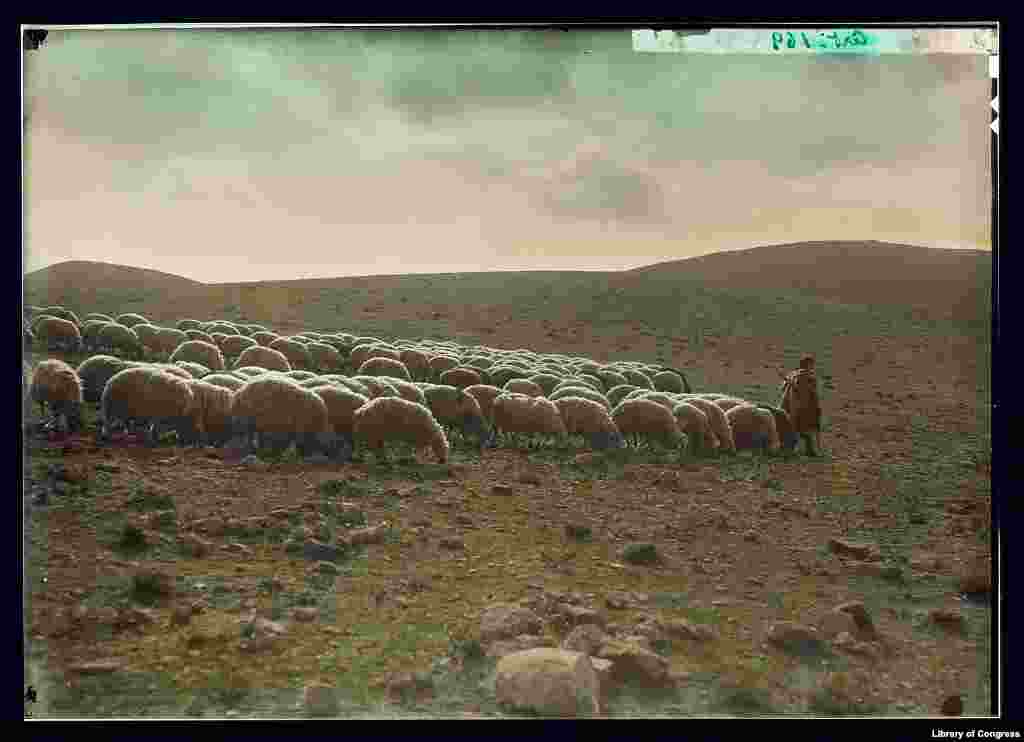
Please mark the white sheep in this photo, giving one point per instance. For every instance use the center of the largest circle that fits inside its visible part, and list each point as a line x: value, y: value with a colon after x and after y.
x: 58, y: 334
x: 278, y: 409
x: 296, y: 353
x: 197, y: 351
x: 717, y: 421
x: 753, y: 427
x: 590, y: 419
x: 263, y: 358
x: 581, y: 391
x: 456, y: 408
x: 694, y: 423
x: 519, y: 414
x: 211, y: 422
x: 644, y: 417
x: 381, y: 366
x: 396, y: 419
x: 148, y: 395
x: 57, y: 384
x: 524, y: 386
x: 341, y: 406
x: 95, y: 372
x: 225, y: 380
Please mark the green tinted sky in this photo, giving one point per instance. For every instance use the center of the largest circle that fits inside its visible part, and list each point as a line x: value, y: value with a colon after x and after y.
x: 249, y: 155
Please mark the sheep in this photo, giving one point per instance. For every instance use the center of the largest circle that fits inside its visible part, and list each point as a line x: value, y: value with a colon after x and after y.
x: 521, y: 414
x: 638, y: 378
x: 670, y: 381
x: 28, y: 339
x: 188, y: 324
x: 395, y: 419
x: 97, y: 316
x: 363, y: 352
x: 753, y: 427
x: 62, y: 313
x: 484, y: 394
x: 662, y: 398
x: 58, y: 334
x: 441, y: 363
x: 130, y: 320
x: 210, y: 423
x: 694, y: 423
x: 173, y: 369
x: 299, y: 375
x: 524, y: 386
x: 197, y: 335
x: 280, y: 410
x: 325, y: 357
x: 220, y: 327
x: 618, y: 393
x: 578, y: 381
x: 168, y: 338
x: 149, y: 335
x: 265, y: 338
x: 581, y: 391
x: 95, y: 372
x: 265, y: 358
x: 590, y: 419
x: 456, y: 407
x: 721, y: 433
x: 218, y: 338
x: 57, y: 384
x: 376, y: 386
x: 117, y: 337
x: 644, y: 417
x: 502, y: 374
x: 250, y: 372
x: 233, y: 345
x: 611, y: 377
x: 380, y: 366
x: 727, y: 403
x: 341, y: 406
x: 460, y: 377
x: 407, y: 390
x: 546, y: 381
x: 199, y: 352
x: 296, y: 353
x: 148, y: 395
x: 196, y: 370
x: 788, y: 436
x: 225, y: 380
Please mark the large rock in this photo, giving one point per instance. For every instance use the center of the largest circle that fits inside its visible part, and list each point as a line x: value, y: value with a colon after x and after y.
x: 547, y: 681
x: 507, y: 621
x: 503, y: 647
x: 634, y: 664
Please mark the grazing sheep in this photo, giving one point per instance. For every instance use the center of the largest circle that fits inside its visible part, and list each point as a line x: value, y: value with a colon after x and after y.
x: 581, y: 381
x: 721, y: 433
x: 460, y: 377
x: 95, y: 372
x: 225, y: 380
x: 546, y: 381
x: 168, y: 339
x: 220, y: 327
x: 56, y: 384
x: 115, y: 337
x: 90, y: 330
x: 580, y: 391
x: 485, y: 395
x: 611, y: 377
x: 265, y: 338
x: 130, y: 320
x: 300, y: 375
x: 441, y: 363
x: 97, y: 316
x: 694, y: 422
x: 618, y: 393
x: 211, y: 422
x: 407, y: 390
x: 638, y: 378
x: 325, y: 357
x: 197, y: 370
x: 189, y: 324
x: 341, y: 407
x: 199, y: 352
x: 62, y: 313
x: 649, y: 419
x: 662, y: 398
x: 233, y: 345
x: 788, y: 437
x: 173, y: 369
x: 524, y: 386
x: 264, y: 358
x: 590, y: 419
x: 296, y: 353
x: 250, y: 372
x: 376, y: 386
x: 280, y: 410
x: 457, y: 408
x: 753, y: 428
x: 502, y: 374
x: 381, y: 366
x: 670, y: 381
x: 58, y: 334
x: 727, y: 403
x: 198, y: 335
x: 148, y: 395
x: 395, y: 419
x: 521, y: 414
x: 149, y: 335
x: 417, y: 362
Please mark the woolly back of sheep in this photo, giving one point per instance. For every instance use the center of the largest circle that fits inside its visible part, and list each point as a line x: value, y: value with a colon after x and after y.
x: 277, y: 405
x: 264, y: 358
x: 197, y: 351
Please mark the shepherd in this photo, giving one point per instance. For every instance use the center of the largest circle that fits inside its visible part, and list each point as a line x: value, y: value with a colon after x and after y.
x: 800, y: 401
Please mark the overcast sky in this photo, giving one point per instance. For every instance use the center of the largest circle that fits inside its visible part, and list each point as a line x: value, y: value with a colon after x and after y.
x: 259, y: 155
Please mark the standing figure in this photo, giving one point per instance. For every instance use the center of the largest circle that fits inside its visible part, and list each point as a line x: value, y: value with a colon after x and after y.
x: 800, y: 401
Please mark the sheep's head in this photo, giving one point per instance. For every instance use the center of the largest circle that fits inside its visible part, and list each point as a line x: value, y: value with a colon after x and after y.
x: 605, y: 440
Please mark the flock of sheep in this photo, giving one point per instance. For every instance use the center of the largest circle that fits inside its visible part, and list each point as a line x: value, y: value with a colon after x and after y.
x: 227, y: 384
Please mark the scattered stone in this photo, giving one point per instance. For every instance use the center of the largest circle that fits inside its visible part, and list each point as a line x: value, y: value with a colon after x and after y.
x: 464, y: 520
x: 789, y: 635
x: 579, y: 616
x: 195, y: 546
x: 587, y: 638
x: 751, y: 536
x: 683, y: 629
x: 530, y: 477
x: 881, y: 571
x: 453, y: 542
x: 949, y: 618
x: 182, y: 615
x: 403, y: 684
x: 507, y: 620
x: 585, y: 459
x: 522, y: 642
x: 240, y: 549
x: 306, y: 613
x: 834, y: 623
x: 96, y: 667
x: 634, y: 664
x: 862, y: 619
x: 618, y: 601
x: 846, y: 642
x: 137, y: 617
x: 843, y: 547
x: 319, y: 552
x: 502, y: 489
x: 252, y: 460
x: 952, y: 706
x: 548, y: 681
x: 257, y: 643
x: 364, y: 536
x: 423, y: 522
